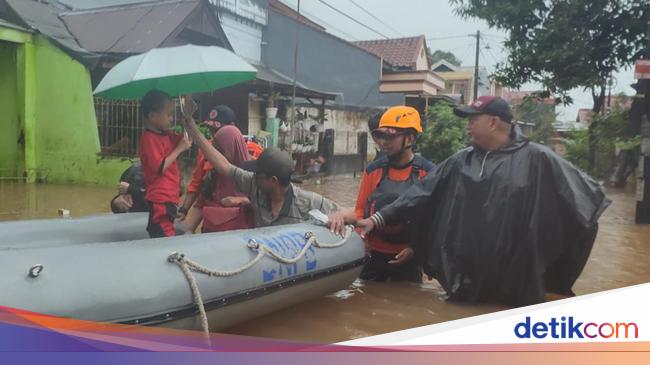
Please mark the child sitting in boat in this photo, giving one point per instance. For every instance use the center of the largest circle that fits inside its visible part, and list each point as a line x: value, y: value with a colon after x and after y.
x: 159, y: 149
x: 267, y: 183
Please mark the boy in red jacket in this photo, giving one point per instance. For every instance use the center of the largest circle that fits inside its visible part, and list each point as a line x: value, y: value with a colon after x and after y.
x: 159, y: 150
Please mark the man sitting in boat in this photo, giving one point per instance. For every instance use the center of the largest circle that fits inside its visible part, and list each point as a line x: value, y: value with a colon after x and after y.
x: 130, y: 197
x: 267, y: 183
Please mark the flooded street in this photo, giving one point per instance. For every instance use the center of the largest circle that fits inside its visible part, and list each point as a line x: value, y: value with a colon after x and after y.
x: 621, y: 257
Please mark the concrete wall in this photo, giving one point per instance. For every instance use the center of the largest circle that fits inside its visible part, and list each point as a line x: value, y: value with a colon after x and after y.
x: 67, y: 141
x: 12, y: 157
x: 325, y: 63
x: 57, y: 125
x: 346, y: 124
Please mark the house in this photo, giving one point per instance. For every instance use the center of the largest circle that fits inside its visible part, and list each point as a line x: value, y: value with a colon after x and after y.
x: 406, y: 70
x: 46, y: 101
x: 94, y: 36
x: 459, y: 81
x: 584, y: 116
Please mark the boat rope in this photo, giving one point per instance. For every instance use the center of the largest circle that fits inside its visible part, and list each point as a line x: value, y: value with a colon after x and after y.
x: 187, y: 266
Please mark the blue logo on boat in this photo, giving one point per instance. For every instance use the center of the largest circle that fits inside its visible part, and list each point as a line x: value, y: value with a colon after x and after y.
x: 287, y: 244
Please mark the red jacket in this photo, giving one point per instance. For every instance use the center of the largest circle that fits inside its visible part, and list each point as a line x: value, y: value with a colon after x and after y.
x: 162, y: 186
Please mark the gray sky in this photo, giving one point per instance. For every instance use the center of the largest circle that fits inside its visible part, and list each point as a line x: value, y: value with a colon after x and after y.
x: 434, y: 19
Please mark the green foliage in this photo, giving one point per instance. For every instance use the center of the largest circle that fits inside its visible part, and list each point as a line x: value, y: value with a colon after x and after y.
x: 178, y: 129
x: 609, y: 131
x: 439, y: 55
x: 564, y: 44
x: 444, y: 134
x: 534, y: 110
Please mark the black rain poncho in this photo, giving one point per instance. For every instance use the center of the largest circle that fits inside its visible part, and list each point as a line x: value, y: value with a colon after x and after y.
x: 506, y: 226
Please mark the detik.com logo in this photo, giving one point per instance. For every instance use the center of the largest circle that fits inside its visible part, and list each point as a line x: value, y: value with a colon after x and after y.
x: 568, y: 327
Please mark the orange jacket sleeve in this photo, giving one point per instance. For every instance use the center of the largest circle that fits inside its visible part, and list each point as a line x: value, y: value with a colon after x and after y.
x: 366, y: 188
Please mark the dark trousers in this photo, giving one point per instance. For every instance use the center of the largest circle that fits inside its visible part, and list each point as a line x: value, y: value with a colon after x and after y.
x: 161, y: 219
x: 378, y: 269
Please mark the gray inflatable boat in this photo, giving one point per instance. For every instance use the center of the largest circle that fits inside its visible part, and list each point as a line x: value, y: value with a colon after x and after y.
x: 105, y: 268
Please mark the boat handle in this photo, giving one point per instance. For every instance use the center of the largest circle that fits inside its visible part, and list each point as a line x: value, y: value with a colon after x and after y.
x: 35, y: 271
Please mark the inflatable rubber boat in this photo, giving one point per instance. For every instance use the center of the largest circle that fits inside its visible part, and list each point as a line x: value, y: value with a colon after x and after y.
x: 106, y: 269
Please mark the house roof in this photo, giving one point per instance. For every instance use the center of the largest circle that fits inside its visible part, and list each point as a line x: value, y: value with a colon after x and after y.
x: 44, y: 18
x: 444, y: 66
x: 10, y: 25
x: 134, y: 28
x: 399, y: 52
x: 584, y: 114
x: 280, y: 82
x: 94, y: 4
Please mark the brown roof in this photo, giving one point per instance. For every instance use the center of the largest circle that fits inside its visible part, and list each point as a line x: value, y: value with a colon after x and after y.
x: 584, y: 115
x: 288, y: 11
x: 129, y: 29
x: 399, y: 52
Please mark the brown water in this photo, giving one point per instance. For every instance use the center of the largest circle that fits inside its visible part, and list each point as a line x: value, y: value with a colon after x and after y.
x: 620, y: 257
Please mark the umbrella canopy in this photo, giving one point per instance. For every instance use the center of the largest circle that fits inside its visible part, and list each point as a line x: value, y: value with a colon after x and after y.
x: 175, y: 70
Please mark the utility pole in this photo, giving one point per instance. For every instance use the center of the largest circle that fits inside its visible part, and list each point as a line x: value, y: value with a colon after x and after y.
x: 295, y: 68
x: 478, y: 40
x: 641, y: 103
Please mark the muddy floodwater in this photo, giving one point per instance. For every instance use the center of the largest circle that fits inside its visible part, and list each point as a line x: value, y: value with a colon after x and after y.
x: 621, y: 257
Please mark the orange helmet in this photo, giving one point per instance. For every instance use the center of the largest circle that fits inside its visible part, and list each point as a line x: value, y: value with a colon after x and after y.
x: 401, y: 117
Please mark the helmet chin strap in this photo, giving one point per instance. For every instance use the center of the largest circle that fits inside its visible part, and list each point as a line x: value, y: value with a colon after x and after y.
x: 403, y: 149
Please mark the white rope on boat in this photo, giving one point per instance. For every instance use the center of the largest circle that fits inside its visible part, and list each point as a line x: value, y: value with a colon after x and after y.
x: 187, y: 266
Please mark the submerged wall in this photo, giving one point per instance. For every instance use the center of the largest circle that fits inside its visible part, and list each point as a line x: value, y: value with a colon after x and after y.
x: 49, y: 129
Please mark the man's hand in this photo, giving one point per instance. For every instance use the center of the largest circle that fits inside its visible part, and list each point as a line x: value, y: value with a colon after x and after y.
x: 123, y: 203
x: 123, y: 188
x: 336, y: 223
x: 234, y: 201
x: 403, y: 257
x: 189, y: 106
x: 366, y: 226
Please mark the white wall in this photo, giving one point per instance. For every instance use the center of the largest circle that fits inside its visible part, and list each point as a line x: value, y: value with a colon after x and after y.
x: 346, y: 125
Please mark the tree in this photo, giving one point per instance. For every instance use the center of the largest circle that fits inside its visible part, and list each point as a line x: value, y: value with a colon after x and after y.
x: 439, y: 55
x: 534, y: 110
x: 444, y: 134
x: 564, y: 44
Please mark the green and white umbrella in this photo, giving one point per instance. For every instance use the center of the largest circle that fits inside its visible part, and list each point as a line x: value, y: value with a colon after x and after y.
x: 175, y: 70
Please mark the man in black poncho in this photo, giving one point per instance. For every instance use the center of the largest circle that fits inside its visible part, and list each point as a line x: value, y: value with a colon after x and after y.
x: 505, y: 220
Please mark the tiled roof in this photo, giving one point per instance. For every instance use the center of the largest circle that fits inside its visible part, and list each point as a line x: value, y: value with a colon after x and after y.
x: 130, y: 28
x: 399, y: 52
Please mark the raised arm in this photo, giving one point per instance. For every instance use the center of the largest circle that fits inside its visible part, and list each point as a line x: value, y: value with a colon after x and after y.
x: 216, y: 159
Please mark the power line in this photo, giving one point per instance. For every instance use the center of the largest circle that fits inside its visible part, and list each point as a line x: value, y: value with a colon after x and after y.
x: 351, y: 18
x: 494, y: 36
x: 377, y: 19
x: 328, y: 26
x: 449, y: 37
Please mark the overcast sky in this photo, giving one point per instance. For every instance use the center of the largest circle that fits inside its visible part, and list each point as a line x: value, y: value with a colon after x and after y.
x: 435, y: 19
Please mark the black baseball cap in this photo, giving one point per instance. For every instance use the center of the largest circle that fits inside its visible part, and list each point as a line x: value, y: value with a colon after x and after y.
x: 491, y: 105
x: 224, y: 114
x: 272, y: 162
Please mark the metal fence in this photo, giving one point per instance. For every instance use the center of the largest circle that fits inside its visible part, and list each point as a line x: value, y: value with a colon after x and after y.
x: 120, y: 125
